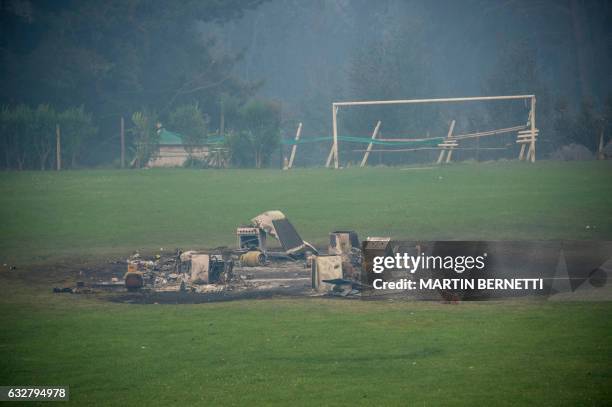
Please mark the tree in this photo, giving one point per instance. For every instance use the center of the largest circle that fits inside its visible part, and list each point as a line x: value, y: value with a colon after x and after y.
x: 117, y: 56
x: 607, y: 118
x: 564, y: 122
x: 258, y: 132
x: 395, y: 64
x: 239, y: 147
x: 588, y: 125
x: 77, y: 128
x: 518, y: 71
x: 191, y: 124
x: 146, y: 137
x: 584, y: 127
x: 28, y: 135
x: 43, y: 129
x: 15, y: 131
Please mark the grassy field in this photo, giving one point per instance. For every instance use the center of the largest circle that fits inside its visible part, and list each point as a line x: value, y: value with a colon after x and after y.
x: 49, y: 215
x: 309, y: 352
x: 299, y: 351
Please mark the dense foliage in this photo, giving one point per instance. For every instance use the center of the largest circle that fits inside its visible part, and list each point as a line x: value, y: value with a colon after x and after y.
x: 197, y: 66
x: 116, y: 57
x: 28, y: 136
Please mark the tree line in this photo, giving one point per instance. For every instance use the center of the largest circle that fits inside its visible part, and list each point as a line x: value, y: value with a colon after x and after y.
x: 251, y: 137
x: 28, y: 135
x: 122, y: 56
x: 116, y: 57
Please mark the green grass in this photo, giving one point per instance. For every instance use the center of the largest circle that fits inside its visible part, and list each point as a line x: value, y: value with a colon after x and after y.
x: 49, y: 215
x: 309, y: 352
x: 300, y: 351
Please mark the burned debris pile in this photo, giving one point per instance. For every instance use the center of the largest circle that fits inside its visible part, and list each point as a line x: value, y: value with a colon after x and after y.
x: 249, y: 269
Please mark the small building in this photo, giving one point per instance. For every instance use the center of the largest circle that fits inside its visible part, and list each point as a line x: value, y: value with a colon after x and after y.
x: 173, y: 152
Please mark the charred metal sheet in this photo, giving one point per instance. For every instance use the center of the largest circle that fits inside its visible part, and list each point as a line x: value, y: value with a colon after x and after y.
x: 276, y: 224
x: 287, y: 235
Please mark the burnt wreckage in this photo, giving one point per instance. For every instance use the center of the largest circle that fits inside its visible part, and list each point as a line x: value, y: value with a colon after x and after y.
x: 256, y: 266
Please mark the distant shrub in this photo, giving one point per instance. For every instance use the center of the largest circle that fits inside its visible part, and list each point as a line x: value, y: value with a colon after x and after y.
x: 572, y: 152
x: 198, y: 163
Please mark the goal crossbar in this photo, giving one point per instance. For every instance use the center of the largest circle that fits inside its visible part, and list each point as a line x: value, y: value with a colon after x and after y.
x: 440, y: 100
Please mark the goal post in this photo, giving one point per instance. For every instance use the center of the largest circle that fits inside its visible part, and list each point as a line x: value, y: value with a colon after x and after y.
x: 527, y: 139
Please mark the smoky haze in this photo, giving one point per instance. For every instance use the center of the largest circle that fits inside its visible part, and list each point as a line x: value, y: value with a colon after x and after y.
x: 303, y: 56
x: 296, y: 46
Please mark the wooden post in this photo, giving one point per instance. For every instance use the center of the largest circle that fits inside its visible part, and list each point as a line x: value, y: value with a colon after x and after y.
x: 522, y: 152
x: 367, y: 153
x: 529, y: 121
x: 58, y: 147
x: 222, y: 119
x: 600, y: 154
x: 529, y: 152
x: 335, y: 134
x: 532, y: 147
x: 441, y: 156
x: 329, y: 156
x: 297, y: 138
x: 427, y: 135
x: 477, y: 149
x: 122, y: 142
x: 448, y: 156
x: 448, y: 136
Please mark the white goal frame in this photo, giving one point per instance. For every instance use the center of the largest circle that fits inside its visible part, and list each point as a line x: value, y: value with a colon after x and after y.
x: 526, y: 137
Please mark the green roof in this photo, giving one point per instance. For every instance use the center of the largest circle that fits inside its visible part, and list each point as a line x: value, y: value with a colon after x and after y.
x: 167, y: 137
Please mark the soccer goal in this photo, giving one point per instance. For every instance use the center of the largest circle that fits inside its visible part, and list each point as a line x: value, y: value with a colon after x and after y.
x: 526, y: 134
